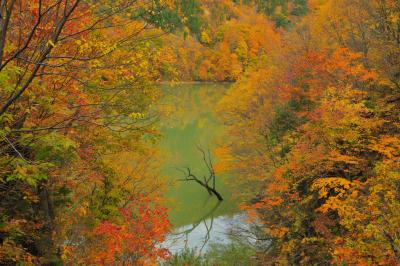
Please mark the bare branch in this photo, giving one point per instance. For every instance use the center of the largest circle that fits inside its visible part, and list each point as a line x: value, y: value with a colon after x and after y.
x: 189, y: 176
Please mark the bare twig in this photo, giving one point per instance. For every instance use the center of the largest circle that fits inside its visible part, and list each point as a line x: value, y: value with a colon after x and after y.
x: 189, y: 176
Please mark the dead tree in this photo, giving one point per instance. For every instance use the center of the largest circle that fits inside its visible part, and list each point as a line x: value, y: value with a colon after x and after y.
x: 207, y: 182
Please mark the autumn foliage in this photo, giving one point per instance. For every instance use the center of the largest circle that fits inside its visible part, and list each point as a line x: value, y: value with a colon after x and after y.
x: 132, y: 241
x: 316, y: 135
x: 314, y: 119
x: 231, y: 41
x: 75, y: 95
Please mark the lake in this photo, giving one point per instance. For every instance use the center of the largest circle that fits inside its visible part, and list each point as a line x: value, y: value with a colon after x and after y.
x: 191, y: 122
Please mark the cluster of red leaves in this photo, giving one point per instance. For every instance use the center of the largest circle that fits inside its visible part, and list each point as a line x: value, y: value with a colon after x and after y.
x: 134, y: 241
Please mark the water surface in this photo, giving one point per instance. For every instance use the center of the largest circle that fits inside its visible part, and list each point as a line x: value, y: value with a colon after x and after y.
x: 191, y: 122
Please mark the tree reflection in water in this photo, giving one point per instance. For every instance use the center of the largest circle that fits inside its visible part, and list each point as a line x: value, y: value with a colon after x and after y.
x: 207, y: 220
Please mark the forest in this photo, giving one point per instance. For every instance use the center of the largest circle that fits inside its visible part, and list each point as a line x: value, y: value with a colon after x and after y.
x: 199, y: 132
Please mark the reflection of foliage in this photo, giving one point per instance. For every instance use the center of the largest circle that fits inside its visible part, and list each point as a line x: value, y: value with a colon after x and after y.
x: 186, y: 102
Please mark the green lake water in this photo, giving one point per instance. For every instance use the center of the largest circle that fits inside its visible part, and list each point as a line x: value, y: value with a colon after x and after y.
x: 191, y: 120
